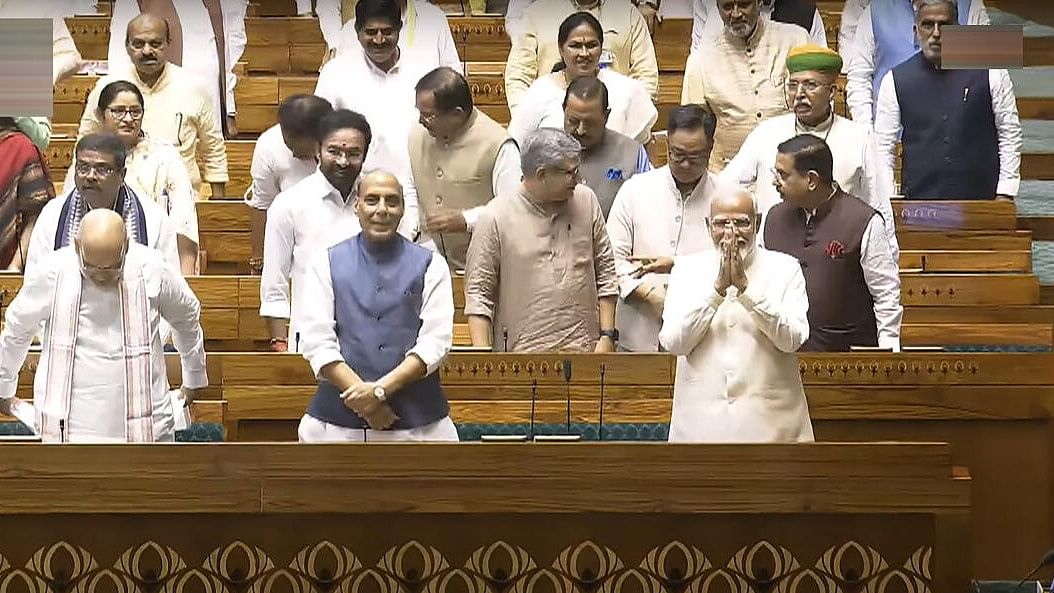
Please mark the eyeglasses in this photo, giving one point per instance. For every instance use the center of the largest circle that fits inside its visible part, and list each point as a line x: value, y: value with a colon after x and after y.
x: 85, y: 169
x: 571, y: 173
x: 741, y: 223
x: 429, y: 117
x: 810, y: 86
x: 87, y: 269
x: 688, y: 159
x: 136, y: 113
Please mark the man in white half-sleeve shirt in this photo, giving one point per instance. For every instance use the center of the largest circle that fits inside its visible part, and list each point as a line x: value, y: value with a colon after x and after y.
x: 657, y: 216
x: 307, y: 218
x: 283, y: 155
x: 102, y: 374
x: 381, y: 322
x: 961, y: 131
x: 884, y: 39
x: 379, y: 82
x: 735, y: 317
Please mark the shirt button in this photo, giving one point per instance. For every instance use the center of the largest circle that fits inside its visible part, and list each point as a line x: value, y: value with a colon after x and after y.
x: 381, y: 347
x: 755, y: 92
x: 378, y: 290
x: 758, y: 114
x: 673, y: 243
x: 677, y: 219
x: 439, y: 200
x: 752, y: 71
x: 439, y: 173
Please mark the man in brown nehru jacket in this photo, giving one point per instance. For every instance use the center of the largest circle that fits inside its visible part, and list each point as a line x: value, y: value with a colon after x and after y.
x: 850, y: 276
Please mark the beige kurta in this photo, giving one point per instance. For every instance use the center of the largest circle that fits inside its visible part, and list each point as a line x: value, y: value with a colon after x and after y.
x: 535, y: 50
x: 178, y: 110
x: 741, y: 82
x: 537, y: 272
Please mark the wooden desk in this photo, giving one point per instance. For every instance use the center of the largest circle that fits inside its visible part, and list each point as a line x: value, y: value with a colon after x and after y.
x: 620, y: 518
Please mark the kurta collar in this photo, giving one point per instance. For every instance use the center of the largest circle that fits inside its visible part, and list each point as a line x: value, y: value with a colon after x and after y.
x: 376, y: 70
x: 328, y: 192
x: 161, y: 81
x: 698, y: 190
x: 542, y: 210
x: 750, y: 42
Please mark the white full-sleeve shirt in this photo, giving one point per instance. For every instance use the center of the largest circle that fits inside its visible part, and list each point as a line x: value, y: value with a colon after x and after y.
x: 1007, y: 124
x: 97, y: 402
x: 861, y: 67
x: 302, y: 221
x: 706, y: 22
x: 737, y: 369
x: 434, y: 339
x: 274, y: 169
x: 650, y: 218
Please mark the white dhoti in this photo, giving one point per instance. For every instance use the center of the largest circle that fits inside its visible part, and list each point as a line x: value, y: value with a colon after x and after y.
x: 313, y: 430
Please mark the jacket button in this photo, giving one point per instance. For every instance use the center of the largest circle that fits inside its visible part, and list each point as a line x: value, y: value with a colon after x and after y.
x: 439, y: 173
x: 439, y: 200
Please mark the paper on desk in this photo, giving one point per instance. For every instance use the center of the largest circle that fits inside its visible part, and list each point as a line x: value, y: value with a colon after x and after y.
x: 24, y: 413
x: 180, y: 409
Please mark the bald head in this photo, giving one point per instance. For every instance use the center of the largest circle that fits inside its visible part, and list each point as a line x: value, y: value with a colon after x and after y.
x: 147, y: 22
x: 379, y: 177
x: 101, y: 243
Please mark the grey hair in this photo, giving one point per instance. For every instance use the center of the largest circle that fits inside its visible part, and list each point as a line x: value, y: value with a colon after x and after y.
x: 547, y: 147
x: 952, y: 4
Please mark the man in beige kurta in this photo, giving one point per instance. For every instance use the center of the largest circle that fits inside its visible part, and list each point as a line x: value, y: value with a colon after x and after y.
x: 541, y: 272
x: 739, y: 75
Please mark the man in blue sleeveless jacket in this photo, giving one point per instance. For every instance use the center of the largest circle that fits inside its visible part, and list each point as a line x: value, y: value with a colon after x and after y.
x: 380, y: 323
x: 961, y: 132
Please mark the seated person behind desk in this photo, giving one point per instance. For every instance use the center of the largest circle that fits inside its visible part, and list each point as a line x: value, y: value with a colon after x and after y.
x: 962, y: 135
x: 735, y: 317
x: 540, y: 266
x: 608, y: 158
x: 153, y: 168
x: 101, y: 376
x: 852, y: 279
x: 99, y: 182
x: 380, y: 323
x: 580, y: 41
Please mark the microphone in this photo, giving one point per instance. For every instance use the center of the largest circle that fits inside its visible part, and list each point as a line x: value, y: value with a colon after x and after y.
x: 62, y: 430
x: 1048, y: 559
x: 504, y: 339
x: 568, y: 436
x: 534, y: 399
x: 600, y: 426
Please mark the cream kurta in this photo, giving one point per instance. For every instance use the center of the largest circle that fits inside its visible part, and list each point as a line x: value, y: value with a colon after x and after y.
x: 154, y: 171
x: 741, y: 82
x: 177, y: 110
x: 632, y: 112
x: 737, y: 371
x: 537, y: 272
x: 97, y: 399
x: 535, y: 50
x: 651, y: 219
x: 856, y: 167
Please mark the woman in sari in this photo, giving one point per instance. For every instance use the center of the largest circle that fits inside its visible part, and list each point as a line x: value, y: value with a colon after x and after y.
x: 25, y: 186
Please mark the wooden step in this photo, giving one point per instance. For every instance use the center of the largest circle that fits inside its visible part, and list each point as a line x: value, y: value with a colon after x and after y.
x: 965, y: 240
x: 965, y: 261
x: 961, y: 334
x: 978, y: 314
x: 962, y: 215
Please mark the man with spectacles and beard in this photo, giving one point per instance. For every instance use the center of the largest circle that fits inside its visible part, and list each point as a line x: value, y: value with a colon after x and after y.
x: 659, y: 215
x: 735, y: 316
x: 850, y: 274
x: 810, y: 90
x: 99, y: 170
x: 103, y: 301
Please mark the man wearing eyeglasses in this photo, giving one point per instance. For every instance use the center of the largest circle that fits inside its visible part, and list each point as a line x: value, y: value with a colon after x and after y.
x: 101, y: 376
x: 99, y: 170
x: 810, y: 91
x: 657, y: 216
x: 735, y: 316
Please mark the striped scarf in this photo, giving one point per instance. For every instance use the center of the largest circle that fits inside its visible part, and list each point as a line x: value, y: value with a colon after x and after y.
x: 127, y: 205
x: 61, y: 347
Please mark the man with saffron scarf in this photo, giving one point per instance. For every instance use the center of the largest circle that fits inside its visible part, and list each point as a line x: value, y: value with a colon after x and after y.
x: 99, y: 169
x: 25, y: 187
x: 101, y: 376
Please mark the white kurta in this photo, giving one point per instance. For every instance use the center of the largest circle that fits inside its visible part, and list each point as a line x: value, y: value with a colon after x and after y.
x: 632, y: 112
x: 97, y: 399
x: 856, y: 165
x: 737, y: 371
x: 650, y: 219
x: 274, y: 169
x: 159, y: 232
x: 706, y: 22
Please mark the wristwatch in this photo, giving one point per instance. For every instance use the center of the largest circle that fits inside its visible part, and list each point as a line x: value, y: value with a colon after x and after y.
x: 609, y: 333
x: 378, y: 392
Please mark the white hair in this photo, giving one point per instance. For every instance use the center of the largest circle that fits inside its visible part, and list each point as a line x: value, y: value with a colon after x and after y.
x: 951, y: 4
x: 546, y: 148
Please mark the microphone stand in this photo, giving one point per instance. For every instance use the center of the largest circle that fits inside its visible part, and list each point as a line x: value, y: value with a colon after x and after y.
x: 600, y: 426
x: 568, y: 436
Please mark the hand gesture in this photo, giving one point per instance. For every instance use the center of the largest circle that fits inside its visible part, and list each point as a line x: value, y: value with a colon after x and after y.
x: 382, y: 418
x: 361, y: 400
x: 652, y: 265
x: 724, y: 274
x: 739, y: 274
x: 446, y: 220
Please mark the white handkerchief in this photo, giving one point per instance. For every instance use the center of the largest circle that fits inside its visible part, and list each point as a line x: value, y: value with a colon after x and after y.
x: 25, y: 413
x: 180, y: 409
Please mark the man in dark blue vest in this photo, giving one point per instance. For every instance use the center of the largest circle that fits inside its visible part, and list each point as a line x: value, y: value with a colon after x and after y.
x: 961, y: 132
x: 381, y: 322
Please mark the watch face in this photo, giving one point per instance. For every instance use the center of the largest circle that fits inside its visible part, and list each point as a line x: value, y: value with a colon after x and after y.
x: 378, y: 391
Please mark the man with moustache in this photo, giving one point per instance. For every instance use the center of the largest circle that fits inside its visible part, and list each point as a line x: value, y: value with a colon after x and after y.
x: 658, y: 216
x: 181, y: 111
x: 381, y: 322
x: 309, y: 217
x: 812, y: 75
x: 961, y: 131
x: 459, y: 159
x: 541, y: 274
x: 739, y: 74
x: 735, y: 317
x: 850, y: 273
x: 608, y: 157
x: 283, y: 155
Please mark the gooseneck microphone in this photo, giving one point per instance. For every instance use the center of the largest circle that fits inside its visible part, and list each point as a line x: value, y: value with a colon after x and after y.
x: 1048, y: 559
x: 567, y: 391
x: 62, y: 430
x: 600, y: 426
x: 534, y: 399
